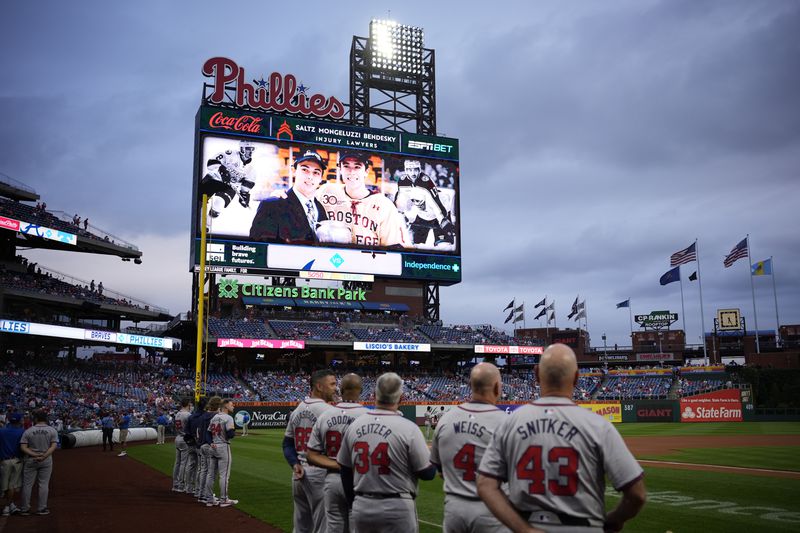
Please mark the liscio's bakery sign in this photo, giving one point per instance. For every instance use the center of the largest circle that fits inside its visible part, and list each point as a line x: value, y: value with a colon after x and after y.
x: 280, y: 93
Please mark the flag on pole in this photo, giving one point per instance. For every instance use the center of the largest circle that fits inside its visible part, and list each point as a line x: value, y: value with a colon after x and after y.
x: 693, y: 276
x: 687, y: 255
x: 575, y: 304
x: 543, y: 302
x: 581, y: 305
x: 520, y: 308
x: 510, y: 316
x: 762, y: 268
x: 541, y: 314
x: 519, y: 318
x: 674, y: 274
x: 626, y: 303
x: 582, y: 314
x: 552, y: 317
x: 551, y: 307
x: 510, y: 305
x: 739, y: 252
x: 572, y: 313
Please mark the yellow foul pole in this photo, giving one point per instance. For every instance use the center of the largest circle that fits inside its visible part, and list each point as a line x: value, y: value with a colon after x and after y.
x: 198, y: 372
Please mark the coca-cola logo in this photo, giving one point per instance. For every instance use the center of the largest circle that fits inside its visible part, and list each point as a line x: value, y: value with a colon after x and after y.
x: 245, y: 123
x: 279, y: 93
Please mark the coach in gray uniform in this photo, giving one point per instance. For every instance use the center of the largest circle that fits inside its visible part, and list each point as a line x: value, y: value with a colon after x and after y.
x: 38, y: 444
x: 222, y: 431
x: 323, y: 447
x: 382, y: 456
x: 461, y: 437
x: 555, y: 456
x: 181, y: 448
x: 308, y: 481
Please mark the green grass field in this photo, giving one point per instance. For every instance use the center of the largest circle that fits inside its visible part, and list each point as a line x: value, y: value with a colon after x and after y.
x: 680, y: 500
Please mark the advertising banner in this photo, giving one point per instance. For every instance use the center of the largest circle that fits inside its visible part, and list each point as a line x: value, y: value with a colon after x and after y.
x: 655, y: 356
x: 269, y: 344
x: 391, y: 347
x: 262, y: 417
x: 9, y: 223
x: 521, y: 350
x: 611, y: 411
x: 65, y: 332
x: 650, y: 411
x: 719, y: 406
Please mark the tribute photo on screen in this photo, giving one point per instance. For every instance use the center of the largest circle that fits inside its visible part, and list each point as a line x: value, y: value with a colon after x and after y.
x: 289, y: 193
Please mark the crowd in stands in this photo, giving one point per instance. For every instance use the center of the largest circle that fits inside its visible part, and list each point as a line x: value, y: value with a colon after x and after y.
x: 39, y: 215
x: 76, y: 393
x: 27, y: 276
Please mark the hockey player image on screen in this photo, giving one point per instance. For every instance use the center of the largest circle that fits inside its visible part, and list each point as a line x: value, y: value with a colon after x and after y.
x: 419, y: 200
x: 228, y: 175
x: 372, y: 217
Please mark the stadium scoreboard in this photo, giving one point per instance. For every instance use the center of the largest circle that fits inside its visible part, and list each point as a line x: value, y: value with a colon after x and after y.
x: 245, y: 160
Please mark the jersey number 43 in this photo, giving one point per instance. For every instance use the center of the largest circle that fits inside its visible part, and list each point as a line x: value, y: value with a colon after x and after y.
x: 530, y: 467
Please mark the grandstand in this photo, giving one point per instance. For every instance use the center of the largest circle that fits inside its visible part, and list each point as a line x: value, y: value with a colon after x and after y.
x: 60, y: 312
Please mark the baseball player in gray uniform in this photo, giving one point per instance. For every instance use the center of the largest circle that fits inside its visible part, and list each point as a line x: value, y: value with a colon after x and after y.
x: 458, y: 445
x: 323, y: 447
x: 205, y: 439
x: 38, y: 443
x: 381, y: 457
x: 555, y: 456
x: 181, y: 448
x: 308, y: 481
x: 222, y: 430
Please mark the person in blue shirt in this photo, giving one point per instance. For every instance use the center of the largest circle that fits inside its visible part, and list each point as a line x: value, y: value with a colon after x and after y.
x: 161, y: 424
x: 107, y: 427
x: 245, y: 423
x: 11, y: 466
x: 124, y: 426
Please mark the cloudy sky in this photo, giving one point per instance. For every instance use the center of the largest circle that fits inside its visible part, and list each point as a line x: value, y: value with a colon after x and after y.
x: 597, y: 138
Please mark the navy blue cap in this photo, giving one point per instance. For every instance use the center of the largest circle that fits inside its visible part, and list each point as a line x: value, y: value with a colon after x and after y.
x: 310, y: 155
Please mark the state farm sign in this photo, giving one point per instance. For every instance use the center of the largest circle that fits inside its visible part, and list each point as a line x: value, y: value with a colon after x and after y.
x: 719, y: 406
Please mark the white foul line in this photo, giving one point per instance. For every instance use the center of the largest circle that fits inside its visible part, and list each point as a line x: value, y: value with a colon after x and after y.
x: 428, y: 523
x: 747, y: 469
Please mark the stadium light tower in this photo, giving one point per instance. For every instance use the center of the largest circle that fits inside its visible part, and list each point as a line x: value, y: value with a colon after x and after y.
x: 392, y: 79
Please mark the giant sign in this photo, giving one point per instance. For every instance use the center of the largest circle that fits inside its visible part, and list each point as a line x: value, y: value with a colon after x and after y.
x: 262, y: 417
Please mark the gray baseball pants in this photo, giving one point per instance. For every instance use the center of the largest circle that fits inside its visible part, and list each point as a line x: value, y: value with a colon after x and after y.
x: 35, y: 471
x: 309, y: 504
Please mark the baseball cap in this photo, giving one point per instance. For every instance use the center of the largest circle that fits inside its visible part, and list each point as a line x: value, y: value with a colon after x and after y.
x: 15, y: 418
x: 310, y: 155
x: 358, y: 156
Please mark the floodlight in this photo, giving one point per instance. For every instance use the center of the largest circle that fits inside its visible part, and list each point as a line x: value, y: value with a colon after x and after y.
x: 396, y: 47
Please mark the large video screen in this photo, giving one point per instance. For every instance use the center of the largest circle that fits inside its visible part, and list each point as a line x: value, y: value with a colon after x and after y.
x: 300, y: 182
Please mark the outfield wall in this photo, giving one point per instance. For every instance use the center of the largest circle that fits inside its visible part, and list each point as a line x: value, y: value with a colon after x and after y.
x: 725, y: 405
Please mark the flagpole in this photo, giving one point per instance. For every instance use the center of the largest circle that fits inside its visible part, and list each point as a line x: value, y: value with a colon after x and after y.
x: 683, y: 310
x: 775, y: 294
x: 524, y: 323
x: 753, y: 290
x: 630, y: 316
x: 702, y: 318
x: 546, y: 322
x: 585, y: 318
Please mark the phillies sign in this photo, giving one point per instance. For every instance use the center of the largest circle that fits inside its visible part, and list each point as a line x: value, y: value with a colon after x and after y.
x: 279, y: 93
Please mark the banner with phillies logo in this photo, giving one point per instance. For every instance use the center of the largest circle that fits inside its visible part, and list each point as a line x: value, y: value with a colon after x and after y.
x: 719, y: 406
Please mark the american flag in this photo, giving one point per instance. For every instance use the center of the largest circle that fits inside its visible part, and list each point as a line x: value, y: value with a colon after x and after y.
x: 687, y: 255
x: 739, y: 251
